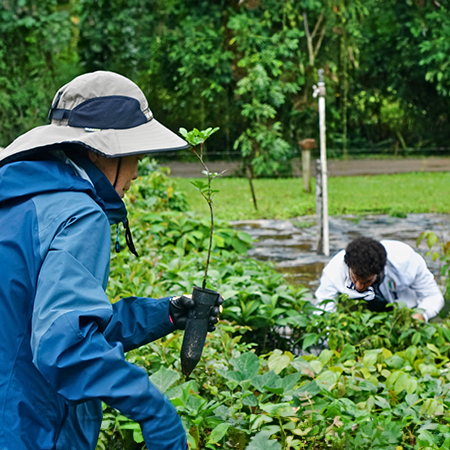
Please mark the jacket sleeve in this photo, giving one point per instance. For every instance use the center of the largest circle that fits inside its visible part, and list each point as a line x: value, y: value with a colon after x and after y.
x: 326, y: 291
x: 430, y: 297
x: 137, y: 321
x: 70, y: 316
x: 331, y: 283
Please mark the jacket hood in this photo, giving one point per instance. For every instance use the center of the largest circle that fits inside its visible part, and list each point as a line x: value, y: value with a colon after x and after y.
x: 24, y: 179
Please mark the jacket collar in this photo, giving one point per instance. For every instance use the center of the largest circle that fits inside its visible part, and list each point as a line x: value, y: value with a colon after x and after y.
x: 110, y: 200
x: 23, y: 179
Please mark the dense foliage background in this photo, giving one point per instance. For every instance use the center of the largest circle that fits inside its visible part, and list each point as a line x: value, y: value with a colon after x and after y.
x: 247, y: 66
x: 275, y: 375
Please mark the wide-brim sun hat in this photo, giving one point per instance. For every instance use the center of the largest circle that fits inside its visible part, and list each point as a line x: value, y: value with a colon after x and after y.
x: 104, y: 112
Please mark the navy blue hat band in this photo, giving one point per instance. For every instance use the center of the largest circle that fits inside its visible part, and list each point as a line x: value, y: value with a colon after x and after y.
x: 114, y: 111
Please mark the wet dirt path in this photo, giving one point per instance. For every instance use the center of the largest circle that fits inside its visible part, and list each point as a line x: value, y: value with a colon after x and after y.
x: 291, y: 245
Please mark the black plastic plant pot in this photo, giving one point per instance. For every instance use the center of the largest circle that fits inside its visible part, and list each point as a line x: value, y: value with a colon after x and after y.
x: 197, y: 328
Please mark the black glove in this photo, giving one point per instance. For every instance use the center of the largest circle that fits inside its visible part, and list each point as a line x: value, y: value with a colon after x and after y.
x: 179, y: 311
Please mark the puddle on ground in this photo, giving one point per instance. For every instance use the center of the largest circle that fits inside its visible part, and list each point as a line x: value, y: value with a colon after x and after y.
x: 291, y: 245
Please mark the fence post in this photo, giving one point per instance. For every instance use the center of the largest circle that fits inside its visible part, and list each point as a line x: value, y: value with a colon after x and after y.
x: 307, y: 145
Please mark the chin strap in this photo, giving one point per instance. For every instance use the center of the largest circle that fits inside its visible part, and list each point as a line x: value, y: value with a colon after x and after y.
x: 128, y: 236
x: 117, y: 172
x: 128, y: 239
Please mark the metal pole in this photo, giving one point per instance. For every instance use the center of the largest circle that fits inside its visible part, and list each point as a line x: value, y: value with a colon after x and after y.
x: 320, y: 91
x: 319, y: 221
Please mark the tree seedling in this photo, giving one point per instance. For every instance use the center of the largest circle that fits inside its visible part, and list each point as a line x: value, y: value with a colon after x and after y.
x: 197, y: 139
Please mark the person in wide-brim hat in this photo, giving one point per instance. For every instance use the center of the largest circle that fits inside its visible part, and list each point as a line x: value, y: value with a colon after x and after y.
x: 62, y: 342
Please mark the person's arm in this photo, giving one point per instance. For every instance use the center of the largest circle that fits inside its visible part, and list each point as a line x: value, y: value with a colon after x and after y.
x: 430, y: 296
x: 327, y: 290
x: 71, y: 314
x: 137, y: 321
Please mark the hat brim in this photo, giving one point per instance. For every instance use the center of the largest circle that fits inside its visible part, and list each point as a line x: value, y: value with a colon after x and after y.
x: 151, y: 137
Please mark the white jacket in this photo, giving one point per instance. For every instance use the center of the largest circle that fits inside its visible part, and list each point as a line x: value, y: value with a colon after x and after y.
x: 406, y: 279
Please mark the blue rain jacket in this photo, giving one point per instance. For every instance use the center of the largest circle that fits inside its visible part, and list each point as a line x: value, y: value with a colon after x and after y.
x: 62, y: 343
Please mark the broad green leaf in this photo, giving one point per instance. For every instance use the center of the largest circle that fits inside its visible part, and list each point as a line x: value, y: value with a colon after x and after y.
x: 347, y: 351
x: 325, y: 356
x: 429, y: 369
x: 370, y: 357
x: 348, y: 406
x: 262, y: 441
x: 247, y: 365
x: 219, y: 432
x: 434, y: 349
x: 288, y: 382
x: 311, y: 388
x: 401, y: 383
x: 395, y: 362
x: 250, y: 400
x: 316, y: 365
x: 309, y: 339
x: 392, y: 378
x: 268, y: 379
x: 164, y: 378
x: 411, y: 385
x: 279, y: 361
x: 303, y: 366
x: 411, y: 399
x: 328, y: 377
x: 446, y: 332
x: 416, y: 338
x: 410, y: 353
x: 275, y: 409
x: 425, y: 439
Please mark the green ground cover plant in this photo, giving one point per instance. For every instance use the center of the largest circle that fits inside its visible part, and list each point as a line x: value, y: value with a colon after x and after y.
x: 351, y: 379
x: 419, y: 192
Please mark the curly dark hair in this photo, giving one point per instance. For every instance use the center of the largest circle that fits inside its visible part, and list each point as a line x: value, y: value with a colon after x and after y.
x: 365, y: 256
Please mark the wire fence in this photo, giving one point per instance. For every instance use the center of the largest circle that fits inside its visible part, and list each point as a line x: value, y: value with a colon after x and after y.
x: 332, y: 153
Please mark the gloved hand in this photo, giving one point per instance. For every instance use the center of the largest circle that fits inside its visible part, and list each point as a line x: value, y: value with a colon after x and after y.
x: 179, y: 311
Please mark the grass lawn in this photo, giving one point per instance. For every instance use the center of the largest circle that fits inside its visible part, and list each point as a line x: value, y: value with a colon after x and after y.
x: 419, y: 192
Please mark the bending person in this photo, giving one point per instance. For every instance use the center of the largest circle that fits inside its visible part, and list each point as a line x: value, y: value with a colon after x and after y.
x: 380, y: 273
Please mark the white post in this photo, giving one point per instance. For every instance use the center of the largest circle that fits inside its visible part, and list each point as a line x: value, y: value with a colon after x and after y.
x: 320, y: 91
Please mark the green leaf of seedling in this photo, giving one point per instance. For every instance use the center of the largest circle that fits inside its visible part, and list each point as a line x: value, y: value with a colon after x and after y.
x: 200, y: 185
